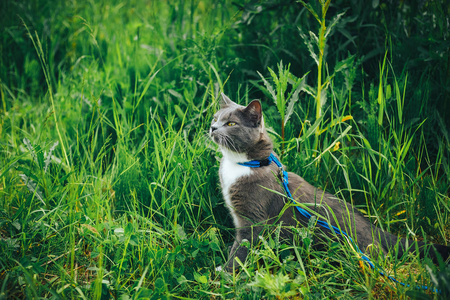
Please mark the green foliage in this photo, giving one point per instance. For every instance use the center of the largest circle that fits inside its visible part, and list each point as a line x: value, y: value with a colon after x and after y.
x: 279, y: 93
x: 108, y: 182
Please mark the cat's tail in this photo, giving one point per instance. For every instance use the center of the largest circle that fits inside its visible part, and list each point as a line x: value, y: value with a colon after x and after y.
x: 392, y: 243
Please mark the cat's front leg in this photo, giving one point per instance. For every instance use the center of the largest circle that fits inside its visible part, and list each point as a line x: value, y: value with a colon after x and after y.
x: 239, y: 250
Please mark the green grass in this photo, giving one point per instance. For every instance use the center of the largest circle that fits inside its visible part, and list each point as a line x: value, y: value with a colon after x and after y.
x: 108, y: 181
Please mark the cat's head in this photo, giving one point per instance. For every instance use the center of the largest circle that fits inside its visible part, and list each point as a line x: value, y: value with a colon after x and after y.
x: 239, y: 128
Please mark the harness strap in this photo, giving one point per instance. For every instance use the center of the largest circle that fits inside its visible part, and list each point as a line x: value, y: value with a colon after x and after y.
x: 307, y: 215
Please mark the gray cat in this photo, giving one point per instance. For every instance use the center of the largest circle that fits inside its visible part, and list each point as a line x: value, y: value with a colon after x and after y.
x: 249, y: 192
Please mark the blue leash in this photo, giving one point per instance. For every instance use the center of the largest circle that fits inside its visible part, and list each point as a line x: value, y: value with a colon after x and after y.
x: 307, y: 215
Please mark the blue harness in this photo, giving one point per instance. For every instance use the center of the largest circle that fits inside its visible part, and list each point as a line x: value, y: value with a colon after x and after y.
x: 307, y: 215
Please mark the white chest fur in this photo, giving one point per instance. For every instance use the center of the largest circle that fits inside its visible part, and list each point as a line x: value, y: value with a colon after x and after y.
x: 230, y: 172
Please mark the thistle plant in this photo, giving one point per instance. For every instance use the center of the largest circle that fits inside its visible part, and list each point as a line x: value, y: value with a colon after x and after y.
x: 283, y: 96
x: 314, y: 42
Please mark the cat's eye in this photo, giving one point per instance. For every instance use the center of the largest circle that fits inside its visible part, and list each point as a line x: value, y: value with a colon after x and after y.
x: 231, y: 123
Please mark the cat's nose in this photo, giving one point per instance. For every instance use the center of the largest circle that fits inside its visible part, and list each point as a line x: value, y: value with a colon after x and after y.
x: 213, y: 128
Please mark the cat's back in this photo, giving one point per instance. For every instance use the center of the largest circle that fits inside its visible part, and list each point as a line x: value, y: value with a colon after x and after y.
x: 303, y: 190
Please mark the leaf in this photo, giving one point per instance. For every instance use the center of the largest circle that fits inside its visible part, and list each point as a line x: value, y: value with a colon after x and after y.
x: 40, y: 156
x: 268, y: 86
x: 278, y: 285
x: 195, y: 253
x: 32, y: 187
x: 16, y: 224
x: 344, y: 133
x: 280, y: 86
x: 202, y: 279
x: 180, y: 257
x: 275, y: 80
x: 312, y: 129
x: 389, y: 91
x: 30, y: 148
x: 323, y: 97
x: 180, y: 232
x: 119, y: 231
x: 175, y: 94
x: 48, y: 158
x: 134, y: 240
x: 142, y: 293
x: 381, y: 99
x: 179, y: 112
x: 335, y: 122
x: 217, y: 75
x: 344, y: 64
x: 310, y: 90
x: 333, y: 23
x: 313, y: 37
x: 309, y: 45
x: 293, y: 97
x: 182, y: 279
x: 310, y: 9
x: 147, y: 85
x: 129, y: 229
x: 159, y: 284
x: 95, y: 253
x: 215, y: 247
x: 399, y: 98
x: 290, y: 108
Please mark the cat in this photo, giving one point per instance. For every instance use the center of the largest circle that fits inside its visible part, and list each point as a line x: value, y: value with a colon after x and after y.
x: 254, y: 195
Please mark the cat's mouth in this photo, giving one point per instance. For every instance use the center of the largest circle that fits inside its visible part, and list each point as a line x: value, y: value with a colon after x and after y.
x: 223, y: 140
x: 216, y: 137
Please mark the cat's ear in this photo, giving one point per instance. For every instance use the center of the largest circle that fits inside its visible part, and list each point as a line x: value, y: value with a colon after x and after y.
x: 225, y: 101
x: 254, y: 112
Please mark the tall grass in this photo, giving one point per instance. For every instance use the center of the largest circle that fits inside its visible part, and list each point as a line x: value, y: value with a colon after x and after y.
x: 109, y: 185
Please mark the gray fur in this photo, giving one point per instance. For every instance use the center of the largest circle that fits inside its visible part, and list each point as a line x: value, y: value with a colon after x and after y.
x: 254, y: 204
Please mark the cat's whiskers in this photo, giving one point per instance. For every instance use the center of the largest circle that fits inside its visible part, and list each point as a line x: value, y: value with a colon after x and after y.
x: 229, y: 143
x: 224, y: 141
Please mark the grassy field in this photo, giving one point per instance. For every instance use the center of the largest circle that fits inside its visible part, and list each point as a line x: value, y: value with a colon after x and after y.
x: 108, y: 180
